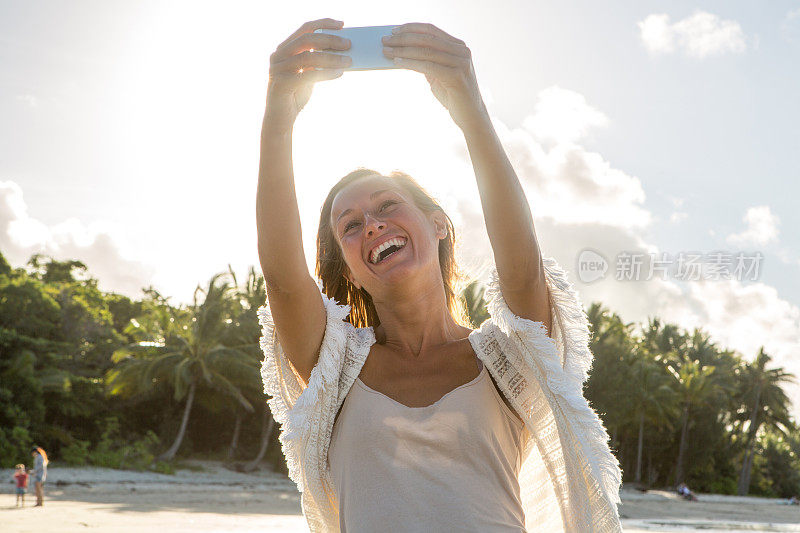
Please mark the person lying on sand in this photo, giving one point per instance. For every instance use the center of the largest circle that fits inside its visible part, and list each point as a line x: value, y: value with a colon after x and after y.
x: 687, y: 494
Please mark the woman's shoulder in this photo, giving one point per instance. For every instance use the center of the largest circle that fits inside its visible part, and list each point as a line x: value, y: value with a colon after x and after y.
x: 342, y: 339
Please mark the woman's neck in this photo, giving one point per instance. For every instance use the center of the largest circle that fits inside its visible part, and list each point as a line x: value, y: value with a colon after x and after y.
x: 416, y: 318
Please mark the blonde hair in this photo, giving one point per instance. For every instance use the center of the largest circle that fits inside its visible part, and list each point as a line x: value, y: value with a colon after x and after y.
x: 331, y: 267
x: 40, y: 451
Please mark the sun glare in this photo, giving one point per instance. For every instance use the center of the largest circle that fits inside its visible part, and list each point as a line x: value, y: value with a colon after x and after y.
x: 191, y: 107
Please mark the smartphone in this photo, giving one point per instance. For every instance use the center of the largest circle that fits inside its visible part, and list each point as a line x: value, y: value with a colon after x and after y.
x: 366, y: 48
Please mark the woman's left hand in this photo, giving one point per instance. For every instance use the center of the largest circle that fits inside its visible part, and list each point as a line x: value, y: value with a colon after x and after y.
x: 446, y: 63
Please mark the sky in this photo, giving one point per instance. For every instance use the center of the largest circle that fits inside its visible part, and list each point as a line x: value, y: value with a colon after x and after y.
x: 129, y: 140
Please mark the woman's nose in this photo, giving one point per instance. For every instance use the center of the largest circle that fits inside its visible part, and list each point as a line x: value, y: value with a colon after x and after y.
x: 374, y: 224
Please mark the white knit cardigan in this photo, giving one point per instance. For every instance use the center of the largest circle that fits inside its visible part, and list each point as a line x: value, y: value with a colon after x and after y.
x: 569, y: 479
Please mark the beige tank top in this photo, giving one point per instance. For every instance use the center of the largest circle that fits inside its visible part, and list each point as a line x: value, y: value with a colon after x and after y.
x: 449, y: 466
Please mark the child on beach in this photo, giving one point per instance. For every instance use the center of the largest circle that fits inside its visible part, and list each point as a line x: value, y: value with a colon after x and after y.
x: 21, y: 478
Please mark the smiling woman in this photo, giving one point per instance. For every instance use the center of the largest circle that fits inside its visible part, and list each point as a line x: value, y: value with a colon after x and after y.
x: 337, y: 230
x: 378, y: 364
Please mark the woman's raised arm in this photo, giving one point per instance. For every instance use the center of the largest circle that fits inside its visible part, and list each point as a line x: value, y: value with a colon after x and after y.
x: 294, y: 298
x: 447, y: 64
x: 509, y: 224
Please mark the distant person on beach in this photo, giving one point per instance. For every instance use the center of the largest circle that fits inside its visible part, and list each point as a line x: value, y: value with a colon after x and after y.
x: 687, y: 494
x: 39, y: 473
x: 395, y: 412
x: 21, y: 480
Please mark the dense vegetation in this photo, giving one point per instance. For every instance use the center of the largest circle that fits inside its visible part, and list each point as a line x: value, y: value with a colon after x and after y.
x: 98, y: 378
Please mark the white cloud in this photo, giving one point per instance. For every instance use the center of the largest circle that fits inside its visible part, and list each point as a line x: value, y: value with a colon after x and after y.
x: 29, y: 100
x: 762, y: 228
x: 745, y: 317
x: 22, y: 236
x: 563, y: 116
x: 790, y: 26
x: 565, y: 180
x: 677, y: 216
x: 699, y: 35
x: 657, y: 33
x: 788, y: 257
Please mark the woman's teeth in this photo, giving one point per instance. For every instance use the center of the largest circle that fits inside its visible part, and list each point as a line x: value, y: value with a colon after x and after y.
x: 375, y: 255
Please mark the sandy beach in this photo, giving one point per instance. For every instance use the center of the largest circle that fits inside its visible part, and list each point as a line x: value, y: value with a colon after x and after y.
x: 217, y: 499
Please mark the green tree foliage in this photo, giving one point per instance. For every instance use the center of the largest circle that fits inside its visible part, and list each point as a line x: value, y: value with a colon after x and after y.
x: 764, y: 404
x: 186, y: 350
x: 61, y: 339
x: 658, y: 387
x: 475, y: 303
x: 55, y: 339
x: 613, y: 347
x: 777, y: 465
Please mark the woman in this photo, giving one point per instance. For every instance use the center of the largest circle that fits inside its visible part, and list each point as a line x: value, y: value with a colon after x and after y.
x: 395, y: 414
x: 39, y: 473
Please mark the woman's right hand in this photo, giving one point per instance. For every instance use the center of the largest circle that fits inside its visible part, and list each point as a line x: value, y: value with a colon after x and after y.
x: 294, y: 69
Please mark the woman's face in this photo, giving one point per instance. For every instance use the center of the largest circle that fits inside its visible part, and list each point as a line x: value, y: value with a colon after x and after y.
x: 383, y: 235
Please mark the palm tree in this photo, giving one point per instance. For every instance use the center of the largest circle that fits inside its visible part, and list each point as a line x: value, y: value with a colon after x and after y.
x: 696, y: 387
x: 247, y: 333
x: 662, y: 339
x: 187, y: 351
x: 653, y: 397
x: 768, y: 404
x: 267, y: 424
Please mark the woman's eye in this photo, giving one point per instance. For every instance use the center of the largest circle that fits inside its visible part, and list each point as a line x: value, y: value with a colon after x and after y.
x: 387, y: 203
x: 350, y: 225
